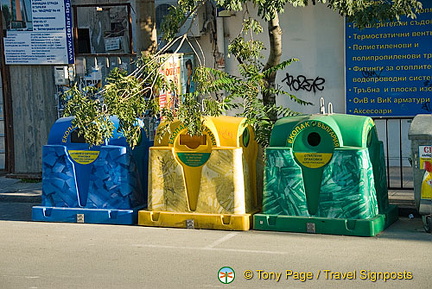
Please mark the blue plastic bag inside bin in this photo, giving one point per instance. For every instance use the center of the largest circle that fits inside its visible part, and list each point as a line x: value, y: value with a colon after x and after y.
x: 110, y: 176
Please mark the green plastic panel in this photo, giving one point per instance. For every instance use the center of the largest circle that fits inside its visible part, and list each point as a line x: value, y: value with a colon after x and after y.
x: 326, y: 172
x: 362, y: 227
x: 353, y: 130
x: 347, y: 186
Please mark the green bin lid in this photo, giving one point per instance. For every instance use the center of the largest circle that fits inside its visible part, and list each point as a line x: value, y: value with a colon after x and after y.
x: 344, y: 130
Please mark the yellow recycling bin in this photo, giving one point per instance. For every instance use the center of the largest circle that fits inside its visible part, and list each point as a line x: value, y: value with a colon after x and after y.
x: 206, y: 181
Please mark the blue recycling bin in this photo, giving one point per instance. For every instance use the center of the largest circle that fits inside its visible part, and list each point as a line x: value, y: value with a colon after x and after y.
x: 104, y: 184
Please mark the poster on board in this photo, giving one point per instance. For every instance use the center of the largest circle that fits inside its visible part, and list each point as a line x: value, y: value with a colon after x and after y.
x: 389, y: 68
x: 38, y: 32
x: 178, y: 68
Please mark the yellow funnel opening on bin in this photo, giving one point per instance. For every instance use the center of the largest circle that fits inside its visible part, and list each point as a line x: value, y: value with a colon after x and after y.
x: 193, y: 141
x: 192, y: 152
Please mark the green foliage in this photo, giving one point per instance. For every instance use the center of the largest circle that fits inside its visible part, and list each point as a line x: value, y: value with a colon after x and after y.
x: 126, y: 96
x: 172, y: 22
x: 190, y: 114
x: 247, y: 51
x: 91, y: 117
x: 370, y: 12
x: 258, y: 81
x: 177, y: 17
x: 132, y: 96
x: 251, y: 84
x: 362, y: 12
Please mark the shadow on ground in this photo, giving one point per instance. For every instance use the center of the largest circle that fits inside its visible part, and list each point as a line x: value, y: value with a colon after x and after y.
x: 406, y: 229
x: 13, y: 211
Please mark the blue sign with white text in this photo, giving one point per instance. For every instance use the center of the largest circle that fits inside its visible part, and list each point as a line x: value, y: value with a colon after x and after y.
x: 389, y: 68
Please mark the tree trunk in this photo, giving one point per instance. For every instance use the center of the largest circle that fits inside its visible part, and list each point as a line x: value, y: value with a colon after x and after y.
x: 275, y: 35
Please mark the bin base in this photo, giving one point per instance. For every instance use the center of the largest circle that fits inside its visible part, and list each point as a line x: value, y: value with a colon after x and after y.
x: 357, y: 227
x: 85, y: 215
x: 195, y: 220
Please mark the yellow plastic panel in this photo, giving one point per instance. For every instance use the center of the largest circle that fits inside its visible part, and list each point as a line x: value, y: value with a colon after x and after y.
x: 194, y: 220
x: 212, y: 176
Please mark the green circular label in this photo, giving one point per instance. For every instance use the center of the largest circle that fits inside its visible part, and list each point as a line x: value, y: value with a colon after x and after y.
x: 193, y: 159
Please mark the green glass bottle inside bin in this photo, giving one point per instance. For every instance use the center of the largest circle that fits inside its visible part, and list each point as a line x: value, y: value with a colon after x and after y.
x: 325, y: 173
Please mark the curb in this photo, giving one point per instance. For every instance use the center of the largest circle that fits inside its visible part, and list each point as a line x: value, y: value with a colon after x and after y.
x: 21, y: 197
x: 35, y: 196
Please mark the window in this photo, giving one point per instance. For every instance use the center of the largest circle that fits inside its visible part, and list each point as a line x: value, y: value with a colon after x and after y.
x: 103, y: 29
x: 162, y: 10
x: 17, y: 15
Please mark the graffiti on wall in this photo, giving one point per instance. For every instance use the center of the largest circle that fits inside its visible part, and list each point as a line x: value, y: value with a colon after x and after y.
x: 301, y: 82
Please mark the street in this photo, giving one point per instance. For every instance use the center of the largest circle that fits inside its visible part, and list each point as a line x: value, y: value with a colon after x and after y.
x: 63, y: 255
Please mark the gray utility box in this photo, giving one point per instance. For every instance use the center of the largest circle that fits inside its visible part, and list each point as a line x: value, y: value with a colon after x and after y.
x: 420, y: 134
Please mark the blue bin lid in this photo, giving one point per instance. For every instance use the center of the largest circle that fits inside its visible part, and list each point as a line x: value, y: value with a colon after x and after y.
x: 63, y: 132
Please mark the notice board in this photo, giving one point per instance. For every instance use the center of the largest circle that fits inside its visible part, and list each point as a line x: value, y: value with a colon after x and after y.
x: 389, y: 68
x: 38, y: 32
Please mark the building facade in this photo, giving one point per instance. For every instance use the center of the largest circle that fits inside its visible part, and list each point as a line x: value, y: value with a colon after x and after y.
x: 336, y: 63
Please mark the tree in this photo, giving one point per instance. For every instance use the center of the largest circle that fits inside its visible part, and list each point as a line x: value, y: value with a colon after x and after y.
x: 361, y: 12
x: 263, y: 113
x: 256, y: 84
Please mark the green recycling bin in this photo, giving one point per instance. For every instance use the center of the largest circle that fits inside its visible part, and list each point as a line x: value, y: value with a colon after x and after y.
x: 325, y: 173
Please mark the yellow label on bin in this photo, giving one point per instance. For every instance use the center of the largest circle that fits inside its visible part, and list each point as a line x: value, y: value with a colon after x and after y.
x: 426, y: 188
x: 84, y: 157
x: 313, y: 160
x: 425, y: 155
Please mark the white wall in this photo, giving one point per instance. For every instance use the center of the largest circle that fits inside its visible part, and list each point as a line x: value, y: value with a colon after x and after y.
x: 314, y: 35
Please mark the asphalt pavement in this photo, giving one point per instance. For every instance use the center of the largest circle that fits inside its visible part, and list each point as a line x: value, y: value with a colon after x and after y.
x: 20, y: 190
x: 64, y: 255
